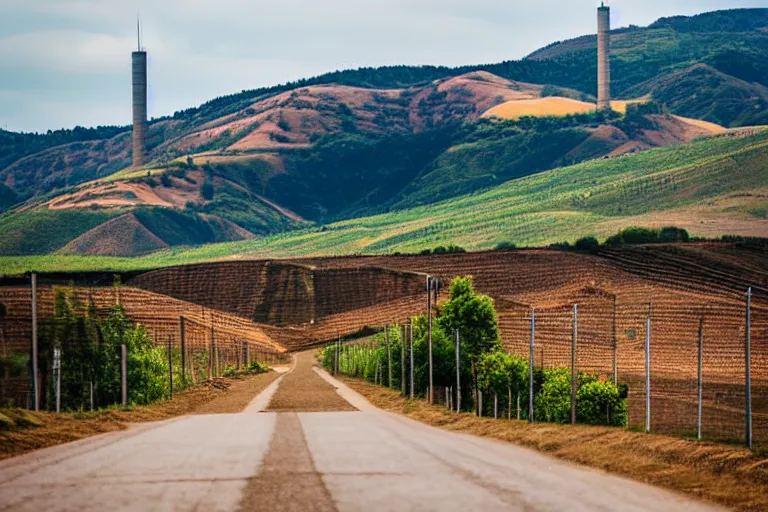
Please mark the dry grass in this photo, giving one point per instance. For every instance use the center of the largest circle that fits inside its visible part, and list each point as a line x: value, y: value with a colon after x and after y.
x: 302, y: 390
x: 551, y: 106
x: 223, y: 395
x: 728, y: 475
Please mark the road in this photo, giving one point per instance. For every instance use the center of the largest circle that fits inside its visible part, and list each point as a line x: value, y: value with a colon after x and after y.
x: 284, y: 461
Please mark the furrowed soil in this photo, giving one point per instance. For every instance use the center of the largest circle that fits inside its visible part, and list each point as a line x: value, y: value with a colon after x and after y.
x: 303, y: 390
x: 728, y: 475
x: 43, y: 429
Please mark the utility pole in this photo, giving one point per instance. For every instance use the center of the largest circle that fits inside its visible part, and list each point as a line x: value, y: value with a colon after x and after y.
x: 574, y: 376
x: 747, y: 369
x: 458, y: 372
x: 648, y: 371
x: 700, y: 376
x: 410, y: 334
x: 530, y: 365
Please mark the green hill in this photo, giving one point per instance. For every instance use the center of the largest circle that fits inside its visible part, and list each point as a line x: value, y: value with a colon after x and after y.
x: 709, y: 187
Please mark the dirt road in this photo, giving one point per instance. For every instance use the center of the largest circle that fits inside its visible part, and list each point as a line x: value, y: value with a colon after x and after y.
x: 341, y: 460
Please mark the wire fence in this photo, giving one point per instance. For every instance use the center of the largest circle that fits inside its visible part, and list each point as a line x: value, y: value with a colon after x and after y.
x: 192, y: 343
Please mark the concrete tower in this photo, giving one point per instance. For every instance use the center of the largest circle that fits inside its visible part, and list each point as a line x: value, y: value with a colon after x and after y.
x: 603, y: 57
x: 139, y: 60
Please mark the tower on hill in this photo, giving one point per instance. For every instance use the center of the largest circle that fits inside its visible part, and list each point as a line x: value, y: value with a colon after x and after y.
x: 603, y: 57
x: 139, y: 61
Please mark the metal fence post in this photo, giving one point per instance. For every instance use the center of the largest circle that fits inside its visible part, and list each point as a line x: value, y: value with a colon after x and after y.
x: 458, y: 372
x: 402, y: 360
x: 648, y: 371
x: 531, y: 362
x: 35, y: 383
x: 124, y: 374
x: 410, y: 335
x: 700, y: 375
x: 429, y: 334
x: 495, y: 406
x: 574, y: 376
x: 747, y: 372
x: 170, y: 367
x: 389, y: 358
x: 212, y: 353
x: 183, y: 351
x: 480, y: 404
x: 57, y: 376
x: 615, y: 347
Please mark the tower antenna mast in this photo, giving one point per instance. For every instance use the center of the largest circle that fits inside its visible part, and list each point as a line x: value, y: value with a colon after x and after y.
x: 138, y: 30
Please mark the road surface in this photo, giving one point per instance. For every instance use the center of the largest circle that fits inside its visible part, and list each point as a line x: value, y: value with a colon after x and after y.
x: 347, y: 461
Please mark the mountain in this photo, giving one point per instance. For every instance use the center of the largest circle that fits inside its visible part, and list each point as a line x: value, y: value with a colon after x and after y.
x: 361, y: 142
x: 711, y: 187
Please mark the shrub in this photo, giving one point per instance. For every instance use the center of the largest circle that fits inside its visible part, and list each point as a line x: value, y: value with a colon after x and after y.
x: 504, y: 246
x: 207, y: 190
x: 425, y: 252
x: 599, y: 402
x: 165, y: 180
x: 256, y: 367
x: 553, y: 402
x: 229, y: 371
x: 439, y: 250
x: 284, y: 125
x: 587, y: 243
x: 560, y: 246
x: 673, y: 234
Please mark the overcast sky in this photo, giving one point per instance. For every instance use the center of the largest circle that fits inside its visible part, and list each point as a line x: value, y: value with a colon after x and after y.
x: 67, y: 62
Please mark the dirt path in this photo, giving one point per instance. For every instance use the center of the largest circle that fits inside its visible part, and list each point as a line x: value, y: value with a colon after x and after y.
x: 303, y: 390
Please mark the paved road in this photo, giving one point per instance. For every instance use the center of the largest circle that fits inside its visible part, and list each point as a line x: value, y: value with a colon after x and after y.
x: 346, y: 461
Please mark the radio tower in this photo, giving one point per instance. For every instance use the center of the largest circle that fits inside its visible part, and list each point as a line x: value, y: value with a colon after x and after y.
x: 139, y: 61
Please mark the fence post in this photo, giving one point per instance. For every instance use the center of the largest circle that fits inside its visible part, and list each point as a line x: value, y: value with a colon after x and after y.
x: 648, y: 371
x: 480, y: 404
x: 124, y: 373
x: 531, y: 362
x: 458, y: 372
x: 183, y: 351
x: 747, y: 371
x: 410, y: 335
x: 615, y: 347
x: 91, y: 383
x: 35, y: 383
x: 57, y: 376
x: 574, y: 376
x: 212, y: 352
x: 402, y: 360
x: 447, y: 398
x: 495, y: 406
x: 700, y: 375
x: 170, y: 367
x: 389, y: 357
x: 429, y: 334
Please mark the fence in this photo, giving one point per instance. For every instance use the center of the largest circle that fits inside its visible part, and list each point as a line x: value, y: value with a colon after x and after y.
x: 192, y: 342
x: 687, y: 367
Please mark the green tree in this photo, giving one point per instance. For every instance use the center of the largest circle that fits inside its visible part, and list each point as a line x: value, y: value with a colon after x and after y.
x: 503, y: 374
x: 475, y: 317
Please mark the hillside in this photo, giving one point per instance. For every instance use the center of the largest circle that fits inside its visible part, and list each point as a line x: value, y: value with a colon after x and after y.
x: 712, y: 187
x: 362, y: 142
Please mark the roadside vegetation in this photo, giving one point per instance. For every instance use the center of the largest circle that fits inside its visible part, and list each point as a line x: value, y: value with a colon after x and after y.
x: 487, y: 372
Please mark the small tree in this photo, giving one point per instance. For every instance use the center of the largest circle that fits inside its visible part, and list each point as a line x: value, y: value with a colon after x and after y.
x: 475, y: 318
x: 503, y: 374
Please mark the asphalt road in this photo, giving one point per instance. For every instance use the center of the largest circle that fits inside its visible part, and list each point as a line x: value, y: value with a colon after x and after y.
x: 346, y: 461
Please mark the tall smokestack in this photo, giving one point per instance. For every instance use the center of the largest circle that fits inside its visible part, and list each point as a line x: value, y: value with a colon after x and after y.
x: 139, y: 60
x: 603, y: 57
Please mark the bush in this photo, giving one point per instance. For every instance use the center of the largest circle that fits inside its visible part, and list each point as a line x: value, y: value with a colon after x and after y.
x: 504, y: 246
x: 673, y: 234
x: 207, y: 190
x: 560, y: 246
x: 587, y: 243
x: 599, y: 402
x: 165, y: 180
x: 425, y: 252
x: 256, y: 367
x: 638, y: 235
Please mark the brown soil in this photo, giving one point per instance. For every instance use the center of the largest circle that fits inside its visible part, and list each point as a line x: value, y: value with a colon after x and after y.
x: 728, y: 475
x: 303, y: 390
x: 221, y: 396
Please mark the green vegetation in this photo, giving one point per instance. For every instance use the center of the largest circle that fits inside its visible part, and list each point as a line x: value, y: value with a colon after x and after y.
x: 563, y: 204
x: 90, y: 355
x: 41, y: 231
x: 485, y: 367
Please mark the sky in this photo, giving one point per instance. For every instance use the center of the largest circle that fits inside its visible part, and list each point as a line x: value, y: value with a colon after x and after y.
x: 67, y: 62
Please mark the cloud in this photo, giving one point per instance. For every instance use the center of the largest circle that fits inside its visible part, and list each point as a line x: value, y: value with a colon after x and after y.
x: 67, y: 62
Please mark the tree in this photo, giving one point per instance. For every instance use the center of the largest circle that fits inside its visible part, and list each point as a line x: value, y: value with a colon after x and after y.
x: 475, y: 318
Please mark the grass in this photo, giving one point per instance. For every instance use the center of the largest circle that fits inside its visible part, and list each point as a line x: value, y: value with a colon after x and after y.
x: 592, y: 198
x: 728, y: 475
